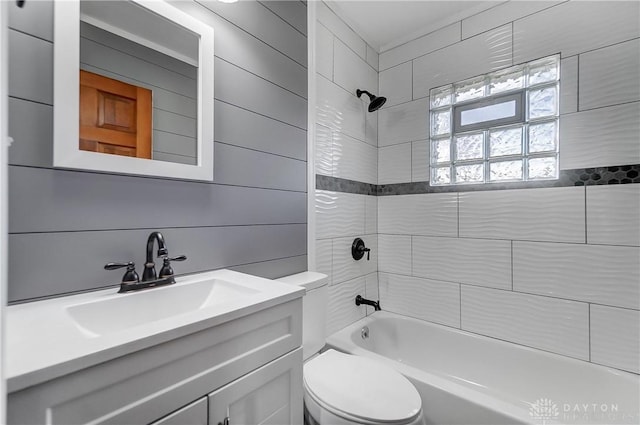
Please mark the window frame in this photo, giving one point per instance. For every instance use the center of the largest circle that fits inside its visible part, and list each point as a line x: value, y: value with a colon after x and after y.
x: 517, y: 118
x: 448, y: 102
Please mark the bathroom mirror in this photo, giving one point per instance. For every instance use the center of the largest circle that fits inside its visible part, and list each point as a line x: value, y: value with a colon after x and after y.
x: 133, y: 89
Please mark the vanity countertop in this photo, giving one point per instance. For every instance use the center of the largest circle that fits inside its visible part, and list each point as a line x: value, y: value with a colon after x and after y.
x: 48, y: 339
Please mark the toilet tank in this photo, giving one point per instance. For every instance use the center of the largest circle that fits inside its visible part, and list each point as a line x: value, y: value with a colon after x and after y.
x: 314, y: 309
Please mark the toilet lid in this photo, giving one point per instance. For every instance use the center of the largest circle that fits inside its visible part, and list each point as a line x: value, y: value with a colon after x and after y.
x: 361, y: 387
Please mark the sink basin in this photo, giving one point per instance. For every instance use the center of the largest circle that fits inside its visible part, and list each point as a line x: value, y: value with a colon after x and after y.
x: 119, y: 312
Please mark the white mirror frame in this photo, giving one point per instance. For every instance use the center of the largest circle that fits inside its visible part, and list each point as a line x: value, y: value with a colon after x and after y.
x: 66, y: 99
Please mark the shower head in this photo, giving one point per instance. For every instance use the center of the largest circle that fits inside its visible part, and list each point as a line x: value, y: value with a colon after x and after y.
x: 375, y: 101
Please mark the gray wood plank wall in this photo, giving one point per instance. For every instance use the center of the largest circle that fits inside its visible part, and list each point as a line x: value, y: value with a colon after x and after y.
x: 65, y: 225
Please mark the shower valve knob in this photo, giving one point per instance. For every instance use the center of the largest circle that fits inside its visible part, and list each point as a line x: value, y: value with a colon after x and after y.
x: 358, y: 249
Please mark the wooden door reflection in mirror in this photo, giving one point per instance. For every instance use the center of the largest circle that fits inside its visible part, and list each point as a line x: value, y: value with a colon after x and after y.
x: 115, y: 117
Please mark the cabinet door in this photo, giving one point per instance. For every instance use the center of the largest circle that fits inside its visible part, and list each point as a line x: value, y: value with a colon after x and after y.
x: 192, y: 414
x: 271, y: 394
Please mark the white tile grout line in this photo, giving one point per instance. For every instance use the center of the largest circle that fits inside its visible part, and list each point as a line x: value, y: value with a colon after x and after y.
x: 460, y: 302
x: 589, y: 320
x: 493, y: 288
x: 512, y: 265
x: 458, y: 212
x: 577, y: 83
x: 586, y: 239
x: 411, y: 242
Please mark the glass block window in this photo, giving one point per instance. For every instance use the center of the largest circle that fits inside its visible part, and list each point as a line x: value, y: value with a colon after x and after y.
x: 498, y: 127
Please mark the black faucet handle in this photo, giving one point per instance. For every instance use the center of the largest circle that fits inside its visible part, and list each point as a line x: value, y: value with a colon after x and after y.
x: 130, y: 275
x: 358, y: 249
x: 167, y: 270
x: 116, y: 266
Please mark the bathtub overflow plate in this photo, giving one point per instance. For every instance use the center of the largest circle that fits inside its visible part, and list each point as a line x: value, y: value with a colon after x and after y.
x: 364, y: 332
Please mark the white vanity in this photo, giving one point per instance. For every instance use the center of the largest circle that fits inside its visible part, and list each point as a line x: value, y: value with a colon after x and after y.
x: 215, y: 348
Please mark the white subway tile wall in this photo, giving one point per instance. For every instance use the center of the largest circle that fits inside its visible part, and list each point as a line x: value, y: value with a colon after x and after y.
x: 341, y: 309
x: 352, y: 72
x: 402, y: 123
x: 554, y: 214
x: 569, y: 85
x: 592, y: 273
x: 394, y: 163
x: 477, y: 55
x: 339, y: 214
x: 395, y: 254
x: 324, y: 150
x: 427, y: 215
x: 550, y: 324
x: 347, y: 148
x: 354, y: 159
x: 396, y: 84
x: 479, y: 262
x: 324, y: 257
x: 373, y: 57
x: 420, y: 46
x: 324, y: 51
x: 424, y: 299
x: 609, y: 76
x: 341, y: 30
x: 600, y: 137
x: 370, y: 215
x: 371, y: 128
x: 615, y: 337
x: 574, y: 27
x: 339, y: 110
x: 541, y: 284
x: 613, y: 214
x: 556, y: 268
x: 420, y: 161
x: 505, y: 12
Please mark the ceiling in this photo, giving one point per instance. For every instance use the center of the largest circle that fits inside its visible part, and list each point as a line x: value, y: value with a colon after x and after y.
x: 385, y: 24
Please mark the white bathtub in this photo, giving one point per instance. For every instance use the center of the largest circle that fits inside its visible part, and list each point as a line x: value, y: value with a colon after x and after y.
x: 465, y: 378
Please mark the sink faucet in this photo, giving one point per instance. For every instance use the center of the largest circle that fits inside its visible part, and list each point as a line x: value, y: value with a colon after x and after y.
x: 131, y: 281
x: 149, y: 272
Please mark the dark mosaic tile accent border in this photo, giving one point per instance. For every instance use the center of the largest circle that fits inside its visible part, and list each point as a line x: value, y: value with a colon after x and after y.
x: 336, y: 184
x: 622, y: 174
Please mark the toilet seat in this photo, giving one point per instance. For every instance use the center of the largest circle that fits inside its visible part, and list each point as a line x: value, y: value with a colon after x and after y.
x: 361, y: 389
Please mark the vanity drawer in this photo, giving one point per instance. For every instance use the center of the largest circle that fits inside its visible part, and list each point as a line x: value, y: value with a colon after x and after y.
x: 148, y: 384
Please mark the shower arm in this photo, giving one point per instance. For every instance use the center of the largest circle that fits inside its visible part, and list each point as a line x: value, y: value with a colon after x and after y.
x: 361, y: 92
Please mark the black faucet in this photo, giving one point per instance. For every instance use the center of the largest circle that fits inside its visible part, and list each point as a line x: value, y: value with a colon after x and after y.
x: 131, y: 281
x: 149, y: 272
x: 374, y: 304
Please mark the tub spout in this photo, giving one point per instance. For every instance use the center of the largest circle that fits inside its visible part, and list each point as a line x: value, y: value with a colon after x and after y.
x: 374, y: 304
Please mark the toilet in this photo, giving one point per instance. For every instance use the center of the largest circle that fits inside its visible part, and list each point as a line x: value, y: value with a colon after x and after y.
x: 344, y: 389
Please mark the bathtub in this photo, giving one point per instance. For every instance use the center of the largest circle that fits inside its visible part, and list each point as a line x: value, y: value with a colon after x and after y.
x: 464, y: 378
